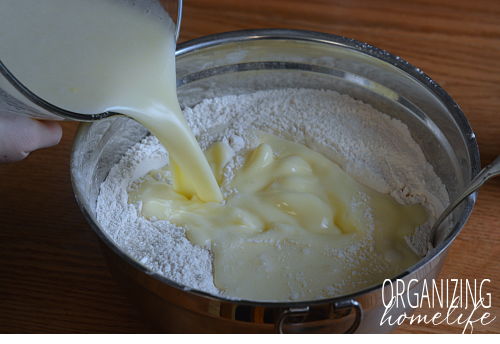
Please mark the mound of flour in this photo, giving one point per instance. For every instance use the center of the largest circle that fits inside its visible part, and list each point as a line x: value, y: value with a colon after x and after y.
x: 374, y: 149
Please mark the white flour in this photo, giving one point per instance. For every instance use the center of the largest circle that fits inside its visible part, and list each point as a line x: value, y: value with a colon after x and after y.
x: 370, y: 146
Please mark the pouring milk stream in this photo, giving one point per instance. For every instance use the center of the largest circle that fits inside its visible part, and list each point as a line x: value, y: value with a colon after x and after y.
x: 96, y: 56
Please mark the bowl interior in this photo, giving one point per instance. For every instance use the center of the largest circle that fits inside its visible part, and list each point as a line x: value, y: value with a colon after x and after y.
x: 247, y: 61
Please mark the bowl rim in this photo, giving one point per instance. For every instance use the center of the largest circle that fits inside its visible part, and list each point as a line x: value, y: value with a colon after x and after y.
x: 328, y: 39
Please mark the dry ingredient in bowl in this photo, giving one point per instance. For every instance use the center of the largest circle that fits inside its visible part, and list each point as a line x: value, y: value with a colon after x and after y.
x: 374, y: 149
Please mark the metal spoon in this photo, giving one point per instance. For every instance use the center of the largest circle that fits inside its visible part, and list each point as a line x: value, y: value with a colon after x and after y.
x: 438, y: 234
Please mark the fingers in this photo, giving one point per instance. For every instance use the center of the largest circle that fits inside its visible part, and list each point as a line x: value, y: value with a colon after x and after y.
x: 20, y: 135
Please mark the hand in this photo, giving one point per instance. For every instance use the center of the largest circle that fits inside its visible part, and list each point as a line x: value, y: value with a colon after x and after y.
x: 20, y: 135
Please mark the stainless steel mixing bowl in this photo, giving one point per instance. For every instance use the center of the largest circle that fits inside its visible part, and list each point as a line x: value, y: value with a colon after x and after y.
x: 245, y: 61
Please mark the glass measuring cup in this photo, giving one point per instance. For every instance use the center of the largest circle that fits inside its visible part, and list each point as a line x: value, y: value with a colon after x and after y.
x: 17, y: 99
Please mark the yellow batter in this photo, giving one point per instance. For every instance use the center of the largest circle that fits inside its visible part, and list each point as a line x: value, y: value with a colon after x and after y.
x: 297, y: 228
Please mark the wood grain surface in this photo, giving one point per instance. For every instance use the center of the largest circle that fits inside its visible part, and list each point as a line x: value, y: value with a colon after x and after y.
x: 52, y: 275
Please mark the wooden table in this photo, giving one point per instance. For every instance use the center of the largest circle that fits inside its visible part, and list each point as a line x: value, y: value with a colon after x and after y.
x: 52, y: 275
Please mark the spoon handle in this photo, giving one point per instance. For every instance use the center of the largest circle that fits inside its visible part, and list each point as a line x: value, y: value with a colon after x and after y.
x: 490, y: 171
